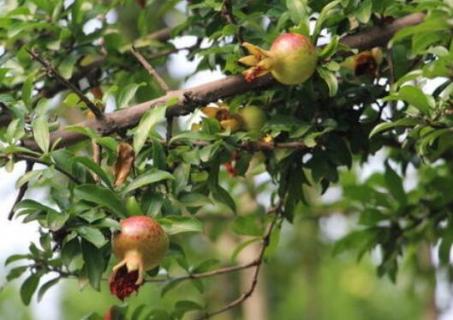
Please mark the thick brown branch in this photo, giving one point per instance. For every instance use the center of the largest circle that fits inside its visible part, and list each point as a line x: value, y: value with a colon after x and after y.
x: 188, y: 99
x: 379, y: 36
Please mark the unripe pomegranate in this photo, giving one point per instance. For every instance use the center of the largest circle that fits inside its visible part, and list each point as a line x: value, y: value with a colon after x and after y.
x: 253, y: 118
x: 140, y: 245
x: 292, y: 59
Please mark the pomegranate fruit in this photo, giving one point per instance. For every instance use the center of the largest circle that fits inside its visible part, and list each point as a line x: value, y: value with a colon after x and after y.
x: 140, y: 246
x: 253, y: 118
x: 291, y: 60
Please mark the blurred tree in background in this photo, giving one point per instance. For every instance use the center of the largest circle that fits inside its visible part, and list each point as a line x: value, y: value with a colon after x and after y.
x: 261, y: 186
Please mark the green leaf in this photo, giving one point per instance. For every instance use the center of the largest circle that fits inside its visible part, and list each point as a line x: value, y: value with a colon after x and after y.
x: 66, y: 67
x: 46, y: 286
x: 326, y: 12
x: 127, y: 94
x: 170, y: 286
x: 16, y: 257
x: 148, y: 121
x: 415, y: 97
x: 249, y: 225
x: 330, y: 79
x: 242, y: 246
x: 363, y: 12
x: 15, y: 273
x: 41, y: 133
x: 92, y: 235
x: 103, y: 197
x: 394, y: 184
x: 431, y: 26
x: 193, y: 199
x: 299, y: 10
x: 27, y: 90
x: 330, y: 49
x: 405, y: 122
x: 147, y: 178
x: 184, y: 306
x: 29, y: 287
x: 94, y: 167
x: 179, y: 224
x: 206, y: 266
x: 94, y: 263
x: 56, y: 220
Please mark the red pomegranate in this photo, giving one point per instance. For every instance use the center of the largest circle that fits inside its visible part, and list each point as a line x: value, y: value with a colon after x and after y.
x: 291, y: 60
x: 140, y: 246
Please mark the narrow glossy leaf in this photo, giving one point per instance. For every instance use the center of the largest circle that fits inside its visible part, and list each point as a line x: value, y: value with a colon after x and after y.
x: 148, y: 121
x: 241, y: 247
x: 395, y: 185
x: 363, y: 12
x: 16, y: 257
x: 27, y: 90
x: 95, y: 168
x: 192, y: 199
x: 223, y: 196
x: 94, y: 263
x: 103, y: 197
x: 16, y: 272
x: 46, y: 286
x: 92, y: 235
x: 249, y: 225
x: 405, y: 122
x: 179, y: 224
x: 415, y: 97
x: 29, y: 287
x: 41, y: 133
x: 56, y: 220
x: 127, y: 94
x: 148, y: 178
x: 330, y: 79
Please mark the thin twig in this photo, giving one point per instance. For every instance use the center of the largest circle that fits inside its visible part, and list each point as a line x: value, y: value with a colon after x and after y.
x: 152, y: 72
x: 258, y: 261
x: 53, y: 72
x: 164, y: 53
x: 227, y: 12
x: 20, y: 195
x: 206, y: 274
x: 43, y: 162
x: 169, y: 128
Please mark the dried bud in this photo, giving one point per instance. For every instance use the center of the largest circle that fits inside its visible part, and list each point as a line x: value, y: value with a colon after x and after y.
x: 124, y: 163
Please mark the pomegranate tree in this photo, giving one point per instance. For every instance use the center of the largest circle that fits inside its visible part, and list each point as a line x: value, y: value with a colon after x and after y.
x: 140, y: 245
x: 291, y: 60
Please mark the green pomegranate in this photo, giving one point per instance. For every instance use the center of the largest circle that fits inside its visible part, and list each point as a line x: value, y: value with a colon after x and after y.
x: 253, y: 118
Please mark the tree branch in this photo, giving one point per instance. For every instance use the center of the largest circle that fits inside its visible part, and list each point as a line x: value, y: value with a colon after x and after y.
x: 227, y: 12
x: 51, y: 71
x: 152, y: 72
x: 20, y: 195
x: 28, y: 158
x: 207, y: 274
x: 259, y: 262
x: 188, y: 99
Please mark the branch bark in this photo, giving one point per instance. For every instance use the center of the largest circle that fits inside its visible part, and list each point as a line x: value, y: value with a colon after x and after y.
x: 188, y: 99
